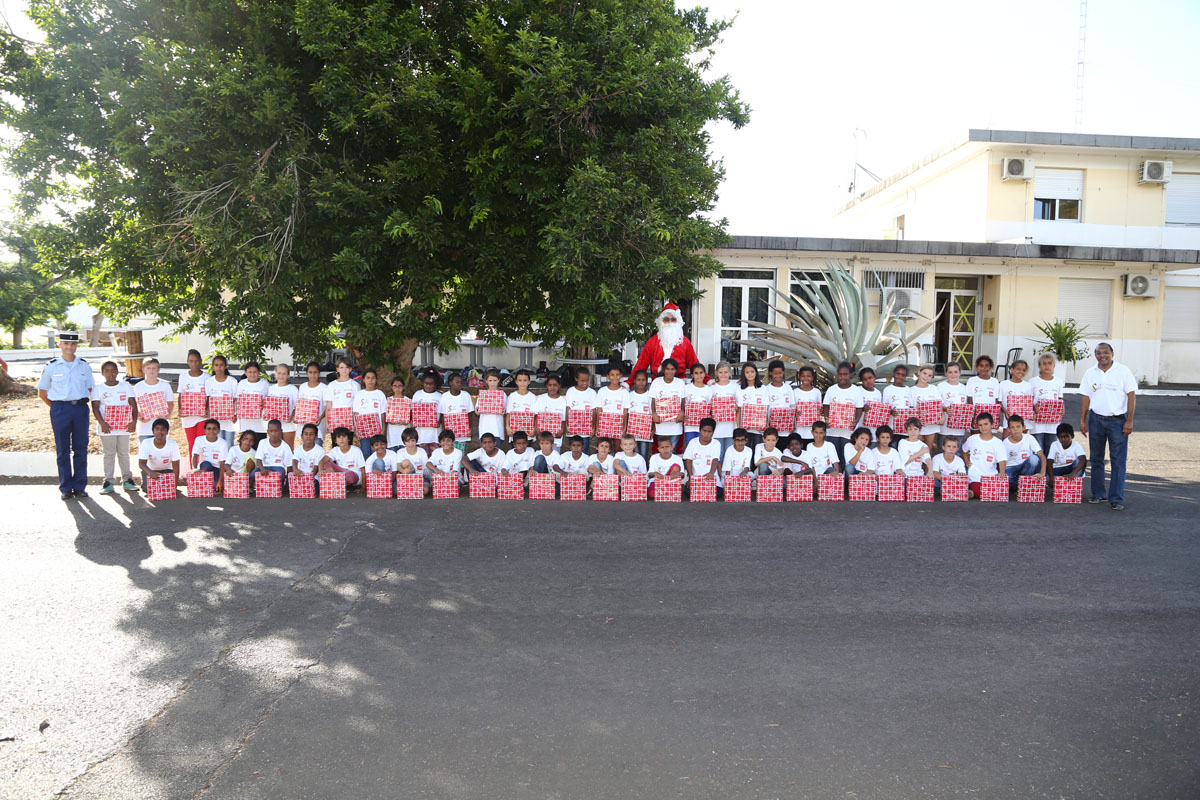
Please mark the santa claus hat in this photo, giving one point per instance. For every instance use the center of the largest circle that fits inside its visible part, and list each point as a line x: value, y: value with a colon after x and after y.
x: 670, y: 307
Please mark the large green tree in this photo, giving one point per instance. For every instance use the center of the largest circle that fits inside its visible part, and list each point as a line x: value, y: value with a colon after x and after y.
x: 39, y: 278
x: 273, y: 173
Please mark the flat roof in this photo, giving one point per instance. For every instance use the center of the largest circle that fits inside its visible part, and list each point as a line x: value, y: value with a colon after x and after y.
x: 986, y: 249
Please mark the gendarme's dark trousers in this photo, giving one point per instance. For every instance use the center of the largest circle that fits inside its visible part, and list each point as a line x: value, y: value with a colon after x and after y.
x: 70, y: 423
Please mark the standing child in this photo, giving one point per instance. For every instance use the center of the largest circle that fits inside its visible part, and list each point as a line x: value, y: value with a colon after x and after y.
x: 886, y: 458
x: 807, y: 393
x: 340, y: 392
x: 663, y: 464
x: 640, y: 402
x: 487, y: 457
x: 750, y: 393
x: 914, y: 452
x: 222, y: 384
x: 702, y: 456
x: 614, y: 398
x: 209, y: 453
x: 192, y: 381
x: 518, y: 460
x: 283, y: 388
x: 582, y: 397
x: 666, y: 386
x: 151, y: 385
x: 898, y: 395
x: 344, y: 462
x: 252, y: 384
x: 313, y: 389
x: 114, y: 392
x: 158, y: 454
x: 842, y: 392
x: 552, y: 402
x: 738, y: 459
x: 925, y: 392
x: 1066, y: 456
x: 984, y: 453
x: 427, y: 438
x: 821, y: 455
x: 858, y: 455
x: 1045, y: 387
x: 491, y: 423
x: 1015, y: 385
x: 1023, y: 454
x: 411, y: 458
x: 308, y: 455
x: 947, y: 462
x: 630, y: 462
x: 381, y: 459
x: 521, y: 401
x: 870, y: 395
x: 952, y: 393
x: 767, y: 458
x: 724, y: 387
x: 395, y: 431
x: 370, y: 402
x: 982, y: 388
x: 695, y: 392
x: 777, y: 394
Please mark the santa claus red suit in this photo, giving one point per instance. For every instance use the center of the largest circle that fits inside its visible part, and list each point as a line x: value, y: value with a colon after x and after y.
x: 669, y: 342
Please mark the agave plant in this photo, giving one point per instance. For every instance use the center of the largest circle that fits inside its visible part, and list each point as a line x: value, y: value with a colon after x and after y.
x: 824, y: 331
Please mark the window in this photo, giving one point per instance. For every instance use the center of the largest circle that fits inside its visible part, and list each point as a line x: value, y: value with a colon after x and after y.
x: 1181, y: 314
x: 1057, y: 194
x: 1183, y: 200
x: 1088, y: 302
x: 892, y: 279
x: 745, y: 294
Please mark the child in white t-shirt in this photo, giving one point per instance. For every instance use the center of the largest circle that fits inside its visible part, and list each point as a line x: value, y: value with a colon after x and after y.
x: 411, y: 458
x: 925, y: 392
x: 151, y: 385
x: 821, y: 455
x: 241, y: 458
x: 519, y: 459
x: 603, y: 462
x: 768, y: 460
x: 427, y: 437
x: 272, y: 454
x: 308, y: 455
x: 1015, y: 385
x: 491, y: 423
x: 700, y: 393
x: 370, y: 402
x: 521, y: 401
x: 283, y: 388
x: 381, y: 459
x: 455, y: 401
x: 947, y: 462
x: 614, y: 398
x: 984, y: 453
x: 113, y: 392
x: 344, y: 461
x: 574, y: 461
x: 898, y: 396
x: 209, y: 452
x: 952, y: 393
x: 843, y: 392
x: 777, y: 394
x: 1045, y: 387
x: 858, y: 455
x: 1066, y: 457
x: 447, y: 459
x: 253, y: 383
x: 582, y: 397
x: 641, y: 402
x: 793, y: 457
x: 739, y: 459
x: 545, y: 459
x: 887, y: 459
x: 702, y: 456
x: 914, y: 453
x: 630, y: 462
x: 158, y: 454
x: 395, y: 431
x: 982, y: 388
x: 664, y: 464
x: 488, y: 458
x: 552, y: 402
x: 806, y: 393
x: 1023, y: 454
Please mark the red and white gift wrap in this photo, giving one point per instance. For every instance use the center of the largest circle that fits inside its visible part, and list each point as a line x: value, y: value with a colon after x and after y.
x: 200, y: 484
x: 249, y: 406
x: 959, y: 416
x: 1031, y: 489
x: 458, y: 423
x: 268, y: 484
x: 919, y: 488
x: 955, y: 488
x: 308, y: 409
x: 696, y: 410
x: 930, y: 412
x: 161, y: 486
x: 339, y: 418
x: 891, y: 488
x: 724, y: 408
x: 511, y: 487
x: 769, y: 488
x: 611, y: 426
x: 1021, y: 405
x: 606, y: 487
x: 490, y: 401
x: 152, y: 406
x: 445, y: 486
x: 399, y: 411
x: 862, y: 487
x: 550, y: 421
x: 579, y: 422
x: 702, y: 489
x: 367, y: 425
x: 1049, y: 412
x: 841, y: 415
x: 799, y: 488
x: 667, y: 407
x: 737, y: 488
x: 380, y: 485
x: 191, y: 404
x: 754, y: 417
x: 878, y: 413
x: 1068, y: 490
x: 993, y: 488
x: 424, y: 415
x: 275, y: 408
x: 668, y: 490
x: 333, y: 486
x: 831, y: 487
x: 481, y: 485
x: 987, y: 408
x: 118, y: 417
x: 541, y: 486
x: 301, y: 486
x: 782, y: 418
x: 633, y: 488
x: 236, y: 486
x: 573, y: 487
x: 807, y: 412
x: 410, y: 486
x: 523, y: 421
x: 640, y: 426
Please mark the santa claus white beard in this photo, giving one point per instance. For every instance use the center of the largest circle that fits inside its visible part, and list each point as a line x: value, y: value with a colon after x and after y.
x: 669, y: 335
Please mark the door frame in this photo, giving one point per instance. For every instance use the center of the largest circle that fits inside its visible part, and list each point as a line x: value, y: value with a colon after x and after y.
x: 977, y: 294
x: 768, y: 281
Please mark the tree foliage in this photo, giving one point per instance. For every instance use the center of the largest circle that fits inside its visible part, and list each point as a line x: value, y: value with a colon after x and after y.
x: 272, y: 173
x: 31, y: 293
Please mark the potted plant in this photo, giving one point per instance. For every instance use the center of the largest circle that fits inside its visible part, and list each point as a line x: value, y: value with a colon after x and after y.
x: 1064, y: 338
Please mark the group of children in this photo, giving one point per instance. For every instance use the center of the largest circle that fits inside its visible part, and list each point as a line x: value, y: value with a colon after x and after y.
x: 662, y: 428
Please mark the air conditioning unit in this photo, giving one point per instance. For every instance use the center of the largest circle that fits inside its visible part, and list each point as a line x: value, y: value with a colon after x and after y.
x: 902, y: 302
x: 1017, y: 169
x: 1154, y: 172
x: 1141, y: 285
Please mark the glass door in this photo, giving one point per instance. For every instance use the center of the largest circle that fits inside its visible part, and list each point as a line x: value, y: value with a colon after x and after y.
x: 957, y: 326
x: 744, y: 299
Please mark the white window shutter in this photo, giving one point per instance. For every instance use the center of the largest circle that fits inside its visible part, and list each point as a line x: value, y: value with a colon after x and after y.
x: 1088, y: 301
x: 1058, y: 184
x: 1181, y: 314
x: 1183, y: 200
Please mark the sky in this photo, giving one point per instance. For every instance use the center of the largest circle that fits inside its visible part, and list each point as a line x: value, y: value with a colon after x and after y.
x: 910, y: 77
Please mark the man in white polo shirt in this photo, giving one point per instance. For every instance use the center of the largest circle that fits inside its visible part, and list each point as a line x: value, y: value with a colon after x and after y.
x: 1109, y: 397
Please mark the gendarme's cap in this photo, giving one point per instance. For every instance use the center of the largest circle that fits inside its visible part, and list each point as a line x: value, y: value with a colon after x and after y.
x: 68, y: 336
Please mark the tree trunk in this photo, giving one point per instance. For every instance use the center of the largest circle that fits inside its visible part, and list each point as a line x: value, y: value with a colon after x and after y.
x: 400, y: 363
x: 94, y: 336
x: 9, y: 386
x: 18, y: 335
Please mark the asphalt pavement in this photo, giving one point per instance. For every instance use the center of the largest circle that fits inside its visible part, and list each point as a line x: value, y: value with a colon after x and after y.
x: 482, y: 649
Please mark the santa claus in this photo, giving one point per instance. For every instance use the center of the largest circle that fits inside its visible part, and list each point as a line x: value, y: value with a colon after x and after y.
x: 669, y: 342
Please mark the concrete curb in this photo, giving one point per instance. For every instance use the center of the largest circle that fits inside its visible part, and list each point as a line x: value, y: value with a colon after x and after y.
x: 42, y: 465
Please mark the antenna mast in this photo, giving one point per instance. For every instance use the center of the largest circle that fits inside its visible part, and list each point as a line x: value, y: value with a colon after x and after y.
x: 1079, y: 64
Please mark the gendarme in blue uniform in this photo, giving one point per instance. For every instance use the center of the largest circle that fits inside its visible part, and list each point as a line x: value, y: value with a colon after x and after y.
x: 68, y: 386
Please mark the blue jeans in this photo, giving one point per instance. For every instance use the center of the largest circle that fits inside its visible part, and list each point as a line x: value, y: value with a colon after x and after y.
x: 725, y: 443
x: 229, y: 438
x: 643, y: 450
x: 208, y: 466
x: 539, y: 464
x: 839, y: 443
x: 1045, y: 440
x: 70, y: 424
x: 1027, y: 467
x: 688, y: 436
x: 1060, y: 471
x: 1107, y: 431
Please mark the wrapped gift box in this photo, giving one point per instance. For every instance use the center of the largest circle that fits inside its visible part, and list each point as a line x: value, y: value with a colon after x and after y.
x: 200, y: 484
x: 152, y: 406
x: 275, y: 408
x: 161, y: 487
x: 489, y: 401
x: 236, y: 486
x: 308, y: 410
x: 481, y: 485
x: 221, y: 407
x: 754, y: 417
x: 511, y: 487
x: 523, y: 421
x: 399, y: 411
x: 702, y: 489
x: 799, y: 488
x: 769, y: 488
x: 611, y: 426
x: 782, y: 419
x: 301, y: 486
x: 877, y: 414
x: 550, y: 421
x: 1050, y: 412
x: 920, y: 489
x: 424, y: 415
x: 191, y: 404
x: 380, y: 485
x: 724, y: 408
x: 987, y: 408
x: 959, y: 416
x: 249, y: 406
x: 862, y: 487
x: 891, y: 488
x: 333, y: 486
x: 606, y: 487
x: 268, y: 484
x: 1020, y: 405
x: 1068, y: 490
x: 572, y: 487
x: 367, y: 425
x: 1031, y: 489
x: 737, y: 488
x: 668, y: 490
x: 541, y: 487
x: 640, y: 426
x: 118, y: 417
x: 994, y: 489
x: 901, y: 415
x: 410, y: 486
x: 633, y: 488
x: 579, y: 422
x: 841, y: 415
x: 458, y: 423
x: 930, y: 412
x: 807, y: 412
x: 955, y: 489
x: 339, y: 418
x: 696, y: 410
x: 445, y: 486
x: 667, y: 407
x: 831, y: 487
